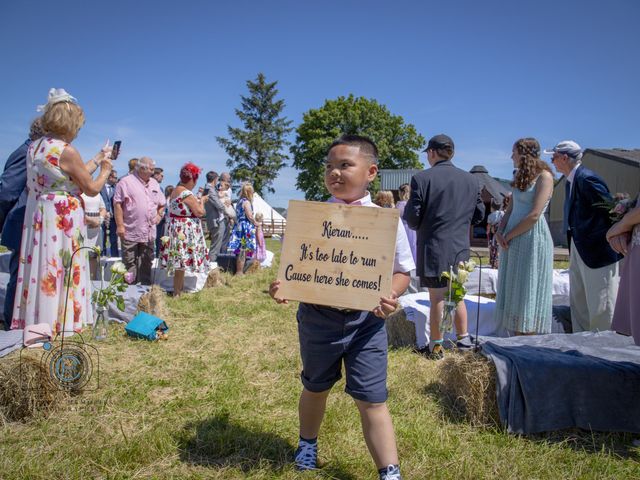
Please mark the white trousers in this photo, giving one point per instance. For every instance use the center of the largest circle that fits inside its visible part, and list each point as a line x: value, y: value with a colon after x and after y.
x: 592, y: 293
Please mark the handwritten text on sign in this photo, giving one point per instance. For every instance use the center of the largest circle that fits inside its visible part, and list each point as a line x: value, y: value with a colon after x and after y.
x: 338, y: 255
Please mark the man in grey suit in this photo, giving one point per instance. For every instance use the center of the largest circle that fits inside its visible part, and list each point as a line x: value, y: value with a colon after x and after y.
x: 214, y: 215
x: 229, y: 212
x: 444, y: 202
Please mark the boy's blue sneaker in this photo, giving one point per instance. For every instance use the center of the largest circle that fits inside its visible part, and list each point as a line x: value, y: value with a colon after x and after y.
x: 306, y: 456
x: 392, y: 472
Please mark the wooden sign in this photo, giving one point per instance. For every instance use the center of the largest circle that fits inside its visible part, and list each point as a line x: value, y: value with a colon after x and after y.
x: 338, y: 255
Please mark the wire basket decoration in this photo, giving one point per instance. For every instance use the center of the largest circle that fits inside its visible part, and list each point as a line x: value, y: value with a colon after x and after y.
x: 71, y: 364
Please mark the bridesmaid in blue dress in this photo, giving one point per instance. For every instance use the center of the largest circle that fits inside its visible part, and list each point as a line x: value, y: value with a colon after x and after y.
x: 243, y: 236
x: 525, y: 275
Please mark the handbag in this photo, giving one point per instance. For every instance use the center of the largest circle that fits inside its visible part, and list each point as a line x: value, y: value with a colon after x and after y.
x: 145, y: 325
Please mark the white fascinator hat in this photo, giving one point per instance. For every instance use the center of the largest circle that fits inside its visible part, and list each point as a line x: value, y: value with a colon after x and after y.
x: 56, y: 95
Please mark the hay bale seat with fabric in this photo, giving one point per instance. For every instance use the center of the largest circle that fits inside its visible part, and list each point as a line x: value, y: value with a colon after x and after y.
x: 586, y: 380
x: 546, y: 383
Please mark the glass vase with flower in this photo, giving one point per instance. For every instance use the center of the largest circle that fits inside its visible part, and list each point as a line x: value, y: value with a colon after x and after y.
x: 455, y: 292
x: 111, y: 293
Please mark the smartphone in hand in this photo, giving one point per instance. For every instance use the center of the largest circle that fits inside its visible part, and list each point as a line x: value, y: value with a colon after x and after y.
x: 116, y: 149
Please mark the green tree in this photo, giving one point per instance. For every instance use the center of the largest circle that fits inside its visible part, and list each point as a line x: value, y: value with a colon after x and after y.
x: 398, y: 142
x: 256, y: 151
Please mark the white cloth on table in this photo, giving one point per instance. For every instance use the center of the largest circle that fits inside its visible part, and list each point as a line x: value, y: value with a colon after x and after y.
x: 193, y: 282
x: 417, y: 307
x: 489, y: 284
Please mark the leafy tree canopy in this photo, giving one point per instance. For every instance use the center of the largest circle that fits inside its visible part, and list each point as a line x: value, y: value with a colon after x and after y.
x: 398, y: 142
x: 256, y: 150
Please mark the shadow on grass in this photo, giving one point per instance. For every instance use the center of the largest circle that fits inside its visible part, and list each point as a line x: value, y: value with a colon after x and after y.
x: 218, y: 442
x: 616, y: 444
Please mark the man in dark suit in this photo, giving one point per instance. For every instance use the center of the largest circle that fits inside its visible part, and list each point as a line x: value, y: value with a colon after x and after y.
x: 13, y: 201
x: 109, y: 226
x: 593, y: 265
x: 444, y: 202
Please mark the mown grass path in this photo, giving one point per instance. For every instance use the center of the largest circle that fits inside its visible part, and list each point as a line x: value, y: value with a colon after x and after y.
x: 219, y: 400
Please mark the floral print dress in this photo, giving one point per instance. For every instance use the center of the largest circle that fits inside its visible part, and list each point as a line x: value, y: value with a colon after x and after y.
x: 183, y: 247
x: 53, y: 229
x: 243, y: 235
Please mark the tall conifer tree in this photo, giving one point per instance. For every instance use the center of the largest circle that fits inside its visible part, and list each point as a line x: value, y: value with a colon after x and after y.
x: 257, y: 149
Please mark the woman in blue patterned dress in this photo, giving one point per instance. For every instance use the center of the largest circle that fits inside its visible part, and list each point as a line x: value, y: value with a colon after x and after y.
x: 243, y: 236
x: 525, y: 275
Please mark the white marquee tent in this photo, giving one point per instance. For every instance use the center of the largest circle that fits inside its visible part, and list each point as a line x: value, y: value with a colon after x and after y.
x: 261, y: 206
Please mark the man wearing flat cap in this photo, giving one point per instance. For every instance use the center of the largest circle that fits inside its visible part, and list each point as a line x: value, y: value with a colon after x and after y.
x: 593, y: 265
x: 444, y: 202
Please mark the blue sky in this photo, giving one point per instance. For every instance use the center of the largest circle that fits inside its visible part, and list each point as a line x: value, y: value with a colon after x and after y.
x: 165, y: 77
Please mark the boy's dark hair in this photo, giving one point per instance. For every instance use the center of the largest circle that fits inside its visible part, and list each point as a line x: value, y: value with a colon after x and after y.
x: 366, y: 145
x: 157, y: 170
x: 211, y: 176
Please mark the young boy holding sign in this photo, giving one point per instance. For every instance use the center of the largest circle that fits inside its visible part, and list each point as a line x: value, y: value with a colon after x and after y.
x: 330, y: 336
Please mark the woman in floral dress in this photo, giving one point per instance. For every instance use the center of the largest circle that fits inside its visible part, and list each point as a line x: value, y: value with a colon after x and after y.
x: 183, y: 247
x: 243, y: 236
x: 54, y: 223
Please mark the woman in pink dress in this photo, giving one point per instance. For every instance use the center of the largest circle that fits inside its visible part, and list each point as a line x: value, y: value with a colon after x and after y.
x: 624, y: 238
x: 54, y: 222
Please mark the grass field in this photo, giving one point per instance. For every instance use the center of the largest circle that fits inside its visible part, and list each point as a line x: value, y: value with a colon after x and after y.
x: 219, y: 400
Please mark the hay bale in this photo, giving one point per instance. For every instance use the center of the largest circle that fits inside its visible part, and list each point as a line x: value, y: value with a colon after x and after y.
x: 467, y: 381
x: 254, y: 267
x: 215, y: 279
x: 26, y: 391
x: 154, y: 302
x: 400, y: 331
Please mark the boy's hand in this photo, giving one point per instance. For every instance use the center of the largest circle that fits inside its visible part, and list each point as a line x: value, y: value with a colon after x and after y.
x: 388, y: 305
x: 273, y: 290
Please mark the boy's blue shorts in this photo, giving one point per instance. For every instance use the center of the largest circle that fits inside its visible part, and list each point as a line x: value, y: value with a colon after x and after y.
x: 329, y: 336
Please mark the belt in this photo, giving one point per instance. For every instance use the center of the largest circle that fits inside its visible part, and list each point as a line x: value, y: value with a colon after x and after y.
x: 92, y: 214
x: 345, y: 311
x: 182, y: 216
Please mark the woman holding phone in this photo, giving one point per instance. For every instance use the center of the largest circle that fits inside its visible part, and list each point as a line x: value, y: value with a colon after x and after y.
x: 54, y: 224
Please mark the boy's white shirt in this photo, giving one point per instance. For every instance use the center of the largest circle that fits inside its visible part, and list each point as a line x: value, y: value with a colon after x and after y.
x: 403, y: 259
